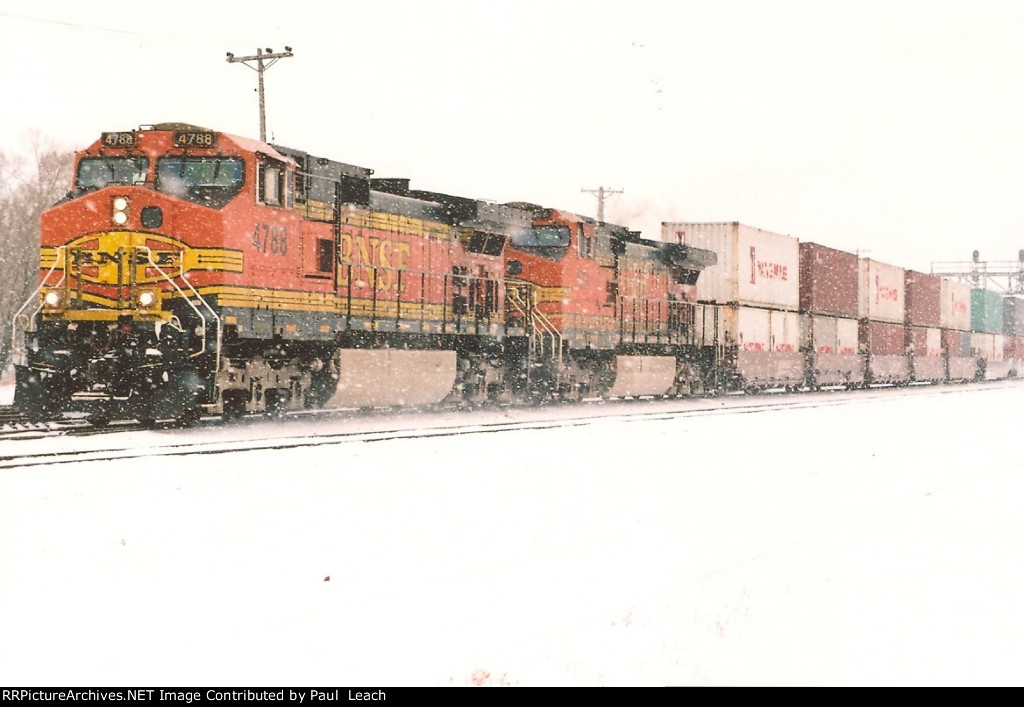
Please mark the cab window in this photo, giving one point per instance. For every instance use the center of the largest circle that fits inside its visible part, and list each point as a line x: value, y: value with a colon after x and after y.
x: 542, y: 237
x: 98, y: 172
x: 276, y: 185
x: 210, y: 181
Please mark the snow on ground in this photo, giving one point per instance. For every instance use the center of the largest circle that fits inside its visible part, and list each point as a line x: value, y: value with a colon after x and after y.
x: 873, y: 543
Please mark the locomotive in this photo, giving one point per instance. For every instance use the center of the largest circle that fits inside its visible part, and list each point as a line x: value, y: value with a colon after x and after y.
x: 191, y: 272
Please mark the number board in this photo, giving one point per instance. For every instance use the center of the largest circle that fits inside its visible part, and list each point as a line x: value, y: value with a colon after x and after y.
x: 195, y: 138
x: 118, y: 139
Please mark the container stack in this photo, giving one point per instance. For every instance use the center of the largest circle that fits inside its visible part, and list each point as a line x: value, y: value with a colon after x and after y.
x: 987, y: 333
x: 828, y: 316
x: 882, y: 313
x: 1013, y: 334
x: 747, y: 312
x: 924, y: 332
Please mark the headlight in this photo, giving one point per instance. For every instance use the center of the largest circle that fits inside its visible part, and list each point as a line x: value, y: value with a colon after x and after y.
x: 120, y: 210
x: 53, y: 299
x: 147, y: 299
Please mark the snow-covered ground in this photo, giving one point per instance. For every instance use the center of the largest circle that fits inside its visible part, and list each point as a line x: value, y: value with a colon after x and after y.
x: 873, y: 543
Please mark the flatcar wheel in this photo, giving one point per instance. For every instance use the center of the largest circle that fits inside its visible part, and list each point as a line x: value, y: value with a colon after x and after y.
x: 147, y: 422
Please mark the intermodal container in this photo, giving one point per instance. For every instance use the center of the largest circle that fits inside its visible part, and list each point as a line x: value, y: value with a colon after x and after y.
x: 925, y: 347
x: 755, y: 267
x: 831, y: 347
x: 1013, y: 316
x: 881, y: 292
x: 991, y: 349
x: 962, y: 364
x: 923, y: 299
x: 1013, y: 347
x: 761, y: 347
x: 884, y: 344
x: 955, y: 310
x: 828, y: 281
x: 956, y: 344
x: 986, y: 312
x: 924, y: 341
x: 882, y: 338
x: 988, y: 346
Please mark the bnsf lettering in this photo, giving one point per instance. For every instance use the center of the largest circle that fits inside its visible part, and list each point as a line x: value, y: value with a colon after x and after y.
x: 370, y: 257
x: 96, y: 258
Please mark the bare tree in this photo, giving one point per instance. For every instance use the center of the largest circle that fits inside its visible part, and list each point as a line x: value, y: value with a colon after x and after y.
x: 29, y: 184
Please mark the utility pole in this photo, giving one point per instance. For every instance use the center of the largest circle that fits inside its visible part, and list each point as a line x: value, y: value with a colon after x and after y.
x: 601, y: 193
x: 263, y: 62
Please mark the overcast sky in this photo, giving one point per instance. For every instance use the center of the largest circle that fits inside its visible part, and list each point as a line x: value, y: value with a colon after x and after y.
x: 892, y: 127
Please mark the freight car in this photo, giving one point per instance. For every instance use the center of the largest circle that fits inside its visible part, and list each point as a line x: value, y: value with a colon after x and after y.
x: 195, y: 272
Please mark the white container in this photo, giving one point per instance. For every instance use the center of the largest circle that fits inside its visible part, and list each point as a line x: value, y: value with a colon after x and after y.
x: 955, y: 309
x: 988, y: 346
x: 784, y: 332
x: 881, y: 292
x: 829, y: 335
x: 831, y: 346
x: 755, y: 267
x: 847, y: 337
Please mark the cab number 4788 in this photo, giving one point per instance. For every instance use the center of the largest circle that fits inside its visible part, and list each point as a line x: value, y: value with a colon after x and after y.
x: 270, y: 239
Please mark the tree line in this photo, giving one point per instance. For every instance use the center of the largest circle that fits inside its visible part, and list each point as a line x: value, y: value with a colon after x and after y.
x: 31, y: 180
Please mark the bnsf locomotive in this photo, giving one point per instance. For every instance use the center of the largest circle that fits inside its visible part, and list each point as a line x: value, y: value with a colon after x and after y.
x: 194, y: 272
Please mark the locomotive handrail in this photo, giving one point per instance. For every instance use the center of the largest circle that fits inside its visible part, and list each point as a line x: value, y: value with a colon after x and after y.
x: 34, y: 295
x: 540, y: 325
x: 149, y: 255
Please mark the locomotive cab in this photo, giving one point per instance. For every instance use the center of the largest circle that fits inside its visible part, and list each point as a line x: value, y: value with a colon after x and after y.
x: 118, y: 327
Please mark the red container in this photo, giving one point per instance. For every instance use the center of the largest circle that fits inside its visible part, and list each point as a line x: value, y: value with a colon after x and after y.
x: 1013, y: 347
x: 828, y: 281
x: 956, y: 343
x: 923, y: 299
x: 882, y: 338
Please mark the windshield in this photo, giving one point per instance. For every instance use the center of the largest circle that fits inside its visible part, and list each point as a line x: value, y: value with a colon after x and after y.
x: 98, y: 172
x: 210, y: 181
x: 542, y: 237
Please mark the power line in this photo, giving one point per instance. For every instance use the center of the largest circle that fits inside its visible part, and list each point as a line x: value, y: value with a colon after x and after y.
x: 110, y: 30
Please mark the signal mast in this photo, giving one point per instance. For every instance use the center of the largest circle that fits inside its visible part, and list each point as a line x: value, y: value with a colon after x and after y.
x: 1000, y: 275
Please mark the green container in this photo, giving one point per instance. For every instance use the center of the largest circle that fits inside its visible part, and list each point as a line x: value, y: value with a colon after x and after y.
x: 986, y: 312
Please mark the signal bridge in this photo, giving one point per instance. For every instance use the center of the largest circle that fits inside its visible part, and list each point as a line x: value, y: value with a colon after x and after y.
x: 1000, y: 275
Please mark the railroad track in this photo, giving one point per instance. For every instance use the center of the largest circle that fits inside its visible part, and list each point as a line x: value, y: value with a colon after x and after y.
x: 382, y: 427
